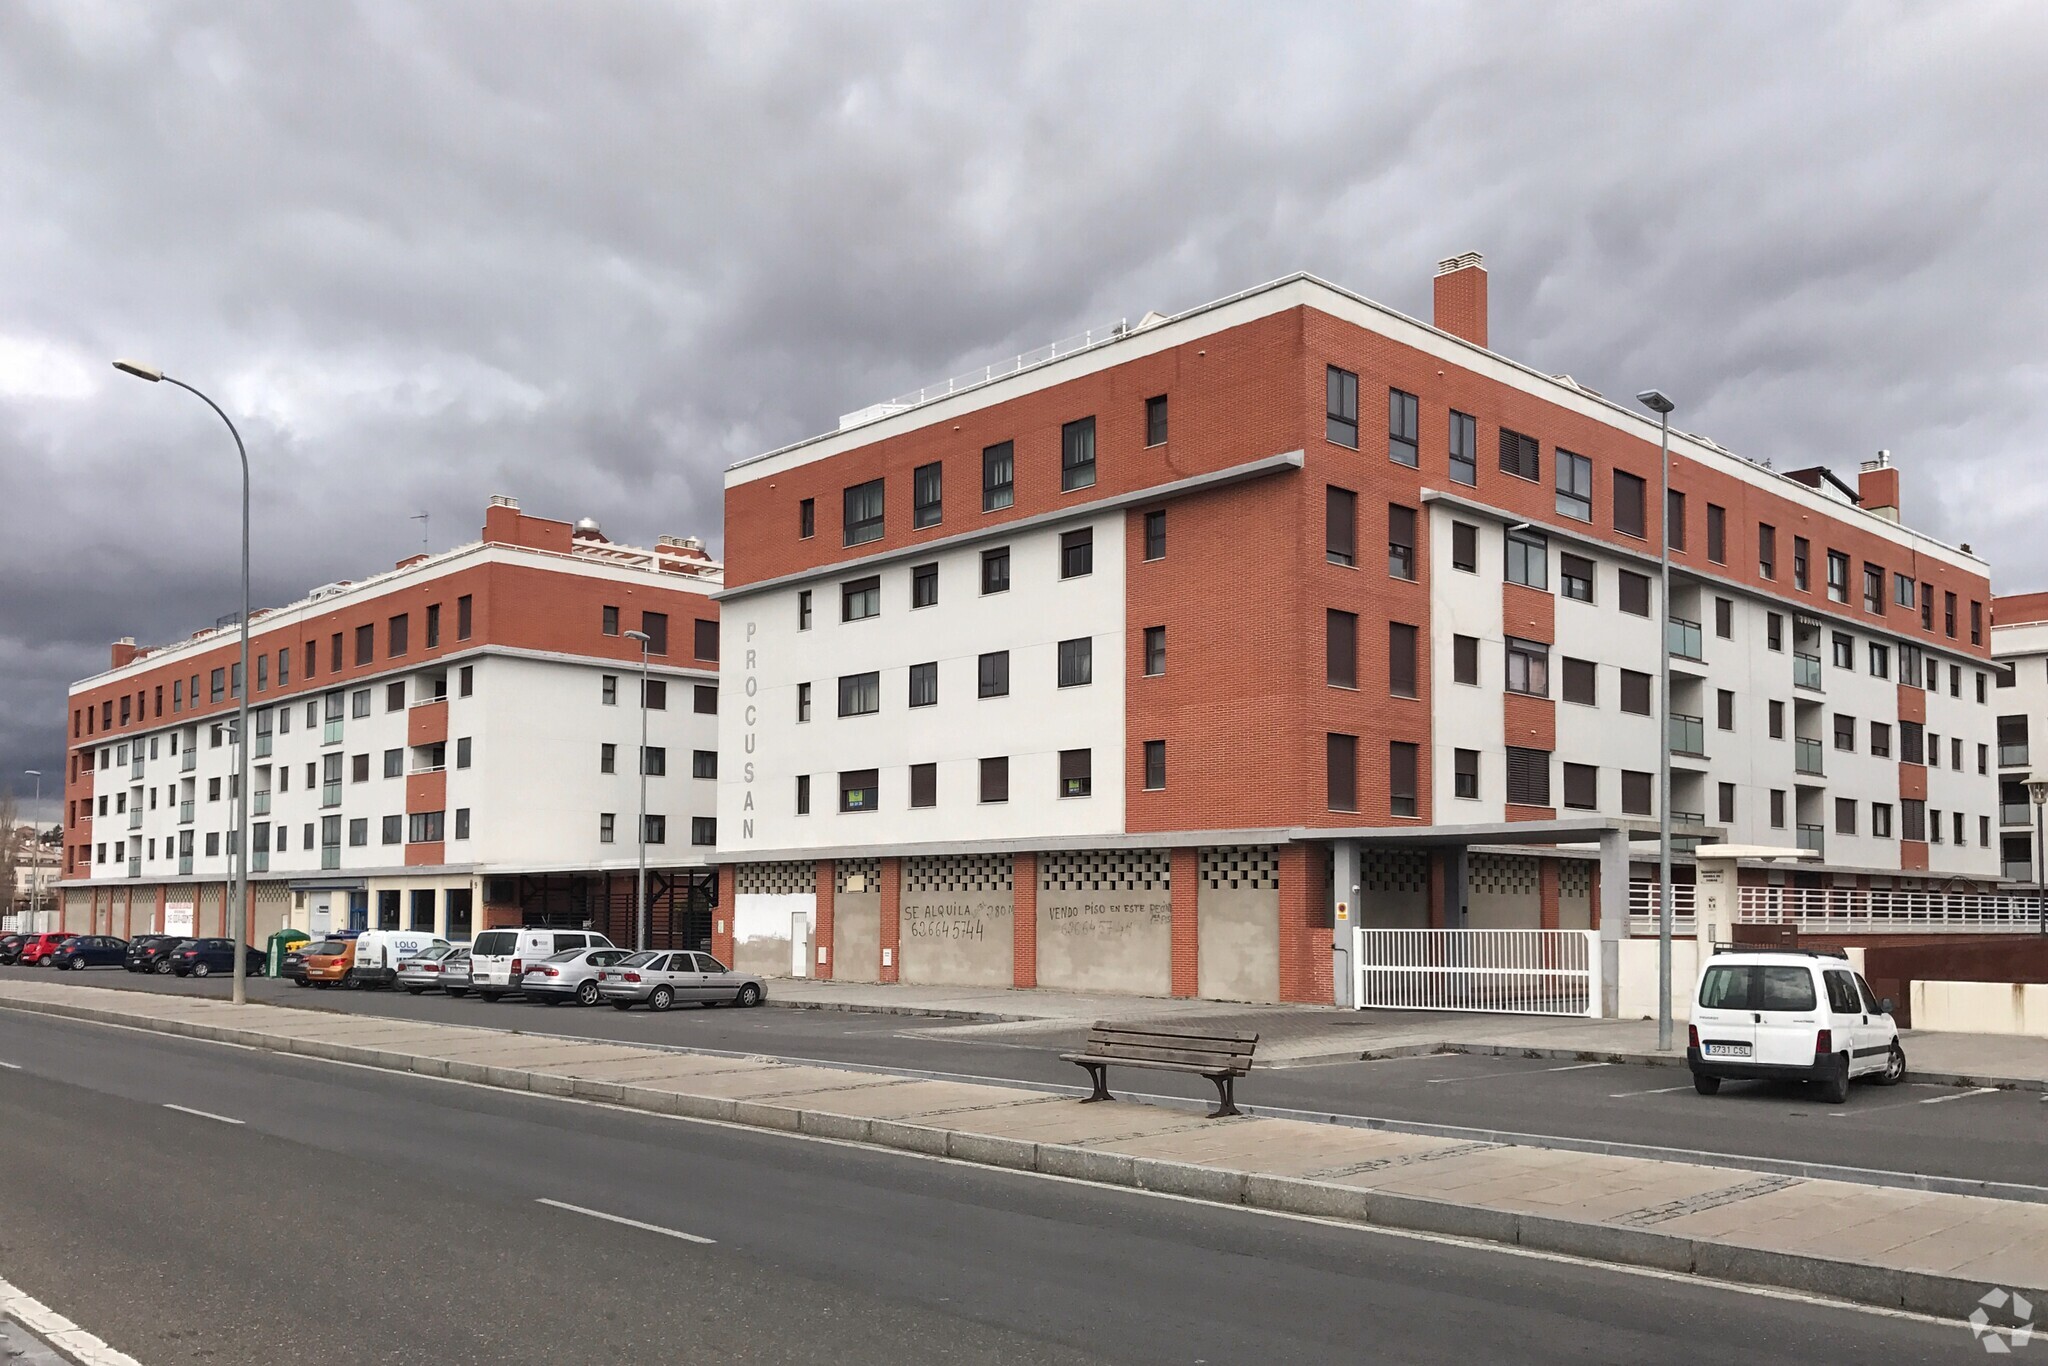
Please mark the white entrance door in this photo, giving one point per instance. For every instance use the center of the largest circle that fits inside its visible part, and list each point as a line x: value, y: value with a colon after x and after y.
x: 799, y: 944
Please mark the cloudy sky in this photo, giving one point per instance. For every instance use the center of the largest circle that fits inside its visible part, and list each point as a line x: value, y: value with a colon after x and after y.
x: 588, y: 253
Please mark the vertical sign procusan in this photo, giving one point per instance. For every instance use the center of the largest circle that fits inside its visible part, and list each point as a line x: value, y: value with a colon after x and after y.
x: 750, y: 685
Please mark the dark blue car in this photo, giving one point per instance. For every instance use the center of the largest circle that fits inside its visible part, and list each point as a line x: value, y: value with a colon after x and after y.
x: 204, y: 957
x: 91, y: 951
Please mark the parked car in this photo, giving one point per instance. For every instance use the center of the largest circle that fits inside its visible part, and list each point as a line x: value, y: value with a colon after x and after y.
x: 204, y: 957
x: 91, y: 951
x: 149, y: 952
x: 570, y: 976
x: 39, y: 949
x: 422, y: 970
x: 326, y: 963
x: 498, y: 958
x: 661, y: 978
x: 1790, y: 1015
x: 455, y: 971
x: 10, y: 947
x: 292, y: 967
x: 379, y: 952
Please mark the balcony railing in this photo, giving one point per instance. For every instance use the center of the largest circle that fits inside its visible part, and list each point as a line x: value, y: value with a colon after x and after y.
x: 1813, y: 837
x: 190, y: 761
x: 1684, y: 639
x: 134, y: 818
x: 2015, y: 813
x: 2012, y: 756
x: 185, y: 812
x: 259, y: 804
x: 135, y: 766
x: 2020, y: 870
x: 135, y: 867
x: 332, y: 736
x: 184, y: 865
x: 262, y: 750
x: 330, y: 794
x: 259, y: 862
x: 1806, y: 758
x: 1806, y: 671
x: 1688, y: 734
x: 1682, y: 842
x: 330, y: 857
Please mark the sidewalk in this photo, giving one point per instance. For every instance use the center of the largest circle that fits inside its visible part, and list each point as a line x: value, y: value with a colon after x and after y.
x: 1923, y: 1251
x: 1295, y: 1035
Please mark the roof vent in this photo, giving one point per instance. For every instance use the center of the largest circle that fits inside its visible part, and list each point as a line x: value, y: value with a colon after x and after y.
x: 501, y: 500
x: 588, y: 530
x: 1459, y: 262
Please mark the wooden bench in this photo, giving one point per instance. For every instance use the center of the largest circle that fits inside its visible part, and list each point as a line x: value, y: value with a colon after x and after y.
x: 1222, y: 1058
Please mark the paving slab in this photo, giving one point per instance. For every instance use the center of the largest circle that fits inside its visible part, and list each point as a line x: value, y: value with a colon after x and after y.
x: 1061, y: 1119
x: 924, y: 1101
x: 776, y: 1080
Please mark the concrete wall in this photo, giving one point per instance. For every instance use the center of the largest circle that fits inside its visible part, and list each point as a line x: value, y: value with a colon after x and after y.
x: 1240, y: 944
x: 1393, y: 889
x: 1638, y: 995
x: 857, y: 936
x: 1503, y: 892
x: 1575, y: 894
x: 1105, y: 921
x: 957, y: 938
x: 1982, y: 1007
x: 761, y: 930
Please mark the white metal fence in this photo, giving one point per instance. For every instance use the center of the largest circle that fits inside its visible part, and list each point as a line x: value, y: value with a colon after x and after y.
x: 1522, y: 972
x: 1850, y: 910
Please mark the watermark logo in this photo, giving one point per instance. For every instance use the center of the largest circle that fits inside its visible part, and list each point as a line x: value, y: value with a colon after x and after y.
x: 2002, y: 1321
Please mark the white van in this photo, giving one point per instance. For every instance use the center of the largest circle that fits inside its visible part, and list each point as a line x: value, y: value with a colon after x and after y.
x: 379, y: 952
x: 497, y: 958
x: 1790, y: 1015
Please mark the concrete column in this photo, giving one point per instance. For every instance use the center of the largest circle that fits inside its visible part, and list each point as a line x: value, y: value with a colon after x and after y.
x: 1345, y: 918
x: 1611, y: 914
x: 1714, y: 904
x: 721, y: 916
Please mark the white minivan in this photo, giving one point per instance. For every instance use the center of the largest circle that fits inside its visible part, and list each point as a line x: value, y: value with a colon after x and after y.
x: 379, y: 952
x: 1790, y: 1015
x: 498, y: 958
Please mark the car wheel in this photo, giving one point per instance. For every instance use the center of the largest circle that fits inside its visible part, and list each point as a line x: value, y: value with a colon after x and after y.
x: 304, y: 983
x: 750, y: 995
x: 163, y: 967
x: 202, y: 970
x: 661, y: 998
x: 1894, y: 1066
x: 548, y: 999
x: 1706, y: 1085
x: 489, y: 996
x: 414, y: 991
x: 456, y: 991
x: 586, y: 995
x: 622, y: 1005
x: 1835, y: 1090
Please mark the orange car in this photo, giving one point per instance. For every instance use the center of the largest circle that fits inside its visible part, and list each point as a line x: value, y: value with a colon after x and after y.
x: 327, y: 963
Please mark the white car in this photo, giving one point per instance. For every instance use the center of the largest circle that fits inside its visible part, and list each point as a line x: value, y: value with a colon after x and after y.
x: 570, y: 976
x: 498, y: 959
x: 379, y: 952
x: 1790, y: 1015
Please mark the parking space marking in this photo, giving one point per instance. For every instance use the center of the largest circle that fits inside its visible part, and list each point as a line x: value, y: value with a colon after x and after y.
x: 203, y: 1114
x: 1483, y: 1076
x: 16, y: 1067
x: 1659, y: 1091
x: 1960, y: 1095
x: 629, y: 1223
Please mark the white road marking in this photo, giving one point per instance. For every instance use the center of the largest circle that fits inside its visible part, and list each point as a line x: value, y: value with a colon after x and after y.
x: 1661, y: 1090
x: 1483, y: 1076
x: 203, y: 1114
x: 58, y: 1331
x: 16, y: 1067
x: 629, y: 1223
x: 1960, y: 1095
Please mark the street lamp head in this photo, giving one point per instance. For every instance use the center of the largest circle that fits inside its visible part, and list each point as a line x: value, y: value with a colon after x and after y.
x: 1655, y: 401
x: 2038, y: 790
x: 31, y: 773
x: 640, y: 636
x: 139, y: 370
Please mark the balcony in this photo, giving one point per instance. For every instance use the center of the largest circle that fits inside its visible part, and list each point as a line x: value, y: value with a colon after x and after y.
x: 185, y: 812
x: 1813, y: 837
x: 1806, y: 672
x: 330, y: 857
x: 262, y: 750
x: 2013, y: 756
x: 2015, y: 813
x: 332, y: 735
x: 135, y: 867
x: 134, y: 818
x: 1686, y: 843
x: 1688, y: 735
x: 259, y: 862
x: 330, y: 794
x: 259, y: 804
x: 135, y: 766
x: 1684, y: 639
x: 2016, y: 871
x: 1806, y: 758
x: 190, y: 760
x: 184, y: 865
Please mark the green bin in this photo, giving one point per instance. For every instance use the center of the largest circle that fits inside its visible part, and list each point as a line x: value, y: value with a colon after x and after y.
x: 281, y: 944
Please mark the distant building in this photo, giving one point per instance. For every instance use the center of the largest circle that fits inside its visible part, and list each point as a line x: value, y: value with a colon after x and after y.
x: 2019, y: 641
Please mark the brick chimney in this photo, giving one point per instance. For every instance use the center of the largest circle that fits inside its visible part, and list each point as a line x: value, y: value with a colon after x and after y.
x: 1461, y: 296
x: 1877, y: 485
x: 125, y: 651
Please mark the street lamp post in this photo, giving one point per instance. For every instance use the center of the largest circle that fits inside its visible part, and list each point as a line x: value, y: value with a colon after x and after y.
x: 640, y: 884
x: 1662, y: 406
x: 238, y: 855
x: 2038, y: 790
x: 35, y: 856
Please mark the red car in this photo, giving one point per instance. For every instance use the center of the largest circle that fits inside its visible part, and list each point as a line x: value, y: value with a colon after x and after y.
x: 41, y: 948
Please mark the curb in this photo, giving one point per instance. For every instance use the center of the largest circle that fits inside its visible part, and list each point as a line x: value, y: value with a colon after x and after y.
x: 1500, y: 1050
x: 919, y: 1012
x: 1924, y: 1293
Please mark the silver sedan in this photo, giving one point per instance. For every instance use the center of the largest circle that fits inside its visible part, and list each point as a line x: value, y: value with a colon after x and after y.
x: 661, y: 978
x: 455, y: 971
x: 424, y: 970
x: 568, y: 976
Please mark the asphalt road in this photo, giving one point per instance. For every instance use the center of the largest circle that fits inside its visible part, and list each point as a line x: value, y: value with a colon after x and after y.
x: 357, y: 1216
x: 1941, y: 1131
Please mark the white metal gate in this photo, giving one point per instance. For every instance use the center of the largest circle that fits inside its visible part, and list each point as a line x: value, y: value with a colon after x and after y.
x: 1519, y: 972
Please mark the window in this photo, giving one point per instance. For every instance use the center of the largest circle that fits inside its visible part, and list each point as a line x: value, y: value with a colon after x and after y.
x: 1528, y: 667
x: 1880, y: 660
x: 806, y: 519
x: 803, y: 609
x: 704, y: 642
x: 1881, y: 819
x: 858, y: 790
x: 1575, y: 576
x: 1777, y: 723
x: 655, y: 829
x: 1401, y: 428
x: 863, y: 506
x: 1077, y: 662
x: 1077, y: 553
x: 654, y: 696
x: 924, y: 684
x: 1628, y: 504
x: 655, y: 624
x: 1912, y: 819
x: 611, y: 621
x: 1155, y: 420
x: 1465, y: 659
x: 1528, y: 558
x: 993, y: 674
x: 366, y: 643
x: 1902, y: 589
x: 995, y: 780
x: 1976, y: 622
x: 1401, y: 659
x: 1724, y: 618
x: 1955, y: 757
x: 1519, y: 455
x: 1465, y: 547
x: 394, y: 696
x: 927, y: 495
x: 466, y: 681
x: 359, y: 768
x: 1845, y: 651
x: 1726, y: 804
x: 1155, y: 534
x: 1155, y: 765
x: 394, y: 763
x: 2007, y: 677
x: 2014, y: 738
x: 398, y: 634
x: 1574, y: 485
x: 391, y: 830
x: 1774, y: 631
x: 1674, y: 519
x: 860, y: 599
x: 803, y: 702
x: 860, y: 694
x: 1838, y: 576
x: 703, y: 830
x: 1401, y: 756
x: 1340, y: 648
x: 1077, y: 455
x: 703, y: 763
x: 359, y: 703
x: 1581, y: 682
x: 262, y: 681
x: 998, y: 476
x: 1912, y: 743
x: 424, y: 827
x: 1340, y: 525
x: 1845, y: 732
x: 1766, y: 550
x: 1955, y: 680
x: 1632, y: 592
x: 1581, y: 786
x: 1400, y: 541
x: 1465, y: 774
x: 1873, y: 589
x: 358, y: 832
x: 1909, y: 664
x: 334, y: 653
x: 607, y: 758
x: 1635, y: 793
x: 1880, y: 740
x: 1076, y: 772
x: 1635, y: 692
x: 1717, y: 533
x: 216, y: 689
x: 1948, y: 614
x: 995, y: 570
x: 1155, y: 651
x: 654, y: 761
x: 1340, y: 755
x: 924, y: 786
x: 1801, y: 556
x: 1464, y: 449
x: 1983, y: 758
x: 1528, y: 777
x: 1341, y: 422
x: 803, y: 794
x: 1777, y: 808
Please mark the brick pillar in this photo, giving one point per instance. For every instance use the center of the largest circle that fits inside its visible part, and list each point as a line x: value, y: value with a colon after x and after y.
x: 892, y: 919
x: 1187, y: 923
x: 249, y: 909
x: 1594, y: 893
x: 821, y: 936
x: 163, y: 898
x: 1441, y: 913
x: 1546, y: 893
x: 721, y: 916
x: 1304, y: 927
x: 1024, y: 920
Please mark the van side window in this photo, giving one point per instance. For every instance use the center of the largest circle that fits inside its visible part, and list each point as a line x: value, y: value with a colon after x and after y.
x: 1787, y: 989
x: 1842, y: 998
